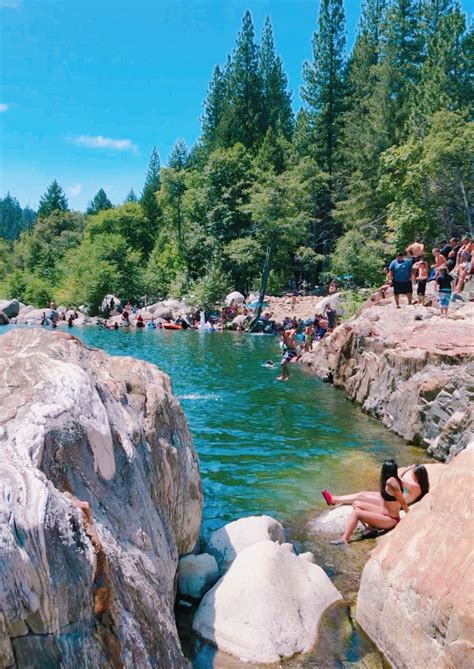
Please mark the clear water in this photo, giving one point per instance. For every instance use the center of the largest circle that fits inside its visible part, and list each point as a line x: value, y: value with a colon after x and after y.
x: 264, y: 446
x: 268, y: 447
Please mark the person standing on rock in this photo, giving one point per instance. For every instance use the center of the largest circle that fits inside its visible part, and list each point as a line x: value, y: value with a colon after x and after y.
x: 415, y: 250
x: 400, y: 272
x: 444, y: 283
x: 421, y: 271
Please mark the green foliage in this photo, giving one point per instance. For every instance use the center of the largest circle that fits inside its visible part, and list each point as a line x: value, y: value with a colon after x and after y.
x: 129, y: 221
x: 211, y: 288
x: 360, y: 257
x: 14, y: 219
x: 103, y: 263
x: 148, y: 200
x: 131, y: 197
x: 100, y: 202
x: 53, y: 200
x: 380, y: 152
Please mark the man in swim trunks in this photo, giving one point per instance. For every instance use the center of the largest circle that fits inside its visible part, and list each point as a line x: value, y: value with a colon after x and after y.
x: 400, y: 271
x: 289, y: 352
x: 421, y: 271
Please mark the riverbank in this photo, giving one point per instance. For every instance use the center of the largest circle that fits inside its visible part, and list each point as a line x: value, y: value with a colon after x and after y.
x: 410, y: 367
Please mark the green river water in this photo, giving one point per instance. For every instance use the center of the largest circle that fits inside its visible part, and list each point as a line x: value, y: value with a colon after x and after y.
x: 269, y: 447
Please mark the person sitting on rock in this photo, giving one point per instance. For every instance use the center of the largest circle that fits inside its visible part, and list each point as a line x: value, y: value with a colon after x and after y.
x: 380, y: 517
x: 415, y: 482
x: 331, y: 316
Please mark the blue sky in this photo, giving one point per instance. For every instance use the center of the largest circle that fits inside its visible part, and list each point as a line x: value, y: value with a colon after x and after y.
x: 88, y: 87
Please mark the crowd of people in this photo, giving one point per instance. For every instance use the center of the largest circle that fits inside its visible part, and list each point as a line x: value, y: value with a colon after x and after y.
x: 451, y: 268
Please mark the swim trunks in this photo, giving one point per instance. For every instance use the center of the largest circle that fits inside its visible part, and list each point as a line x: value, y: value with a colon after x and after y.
x: 288, y: 356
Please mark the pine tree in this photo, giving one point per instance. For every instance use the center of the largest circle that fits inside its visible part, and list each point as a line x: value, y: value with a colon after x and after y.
x: 323, y: 90
x: 53, y: 200
x: 131, y: 197
x: 178, y: 158
x: 10, y: 217
x: 243, y: 119
x: 214, y: 107
x: 148, y: 199
x: 399, y: 69
x: 277, y: 111
x: 99, y: 202
x: 361, y: 144
x: 445, y: 79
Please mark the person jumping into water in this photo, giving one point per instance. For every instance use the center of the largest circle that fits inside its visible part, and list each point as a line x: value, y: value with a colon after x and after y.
x: 290, y: 352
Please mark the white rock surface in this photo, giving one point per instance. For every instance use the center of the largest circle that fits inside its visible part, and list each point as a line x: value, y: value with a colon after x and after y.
x: 99, y: 494
x: 196, y: 574
x: 267, y: 607
x: 229, y: 540
x: 332, y: 521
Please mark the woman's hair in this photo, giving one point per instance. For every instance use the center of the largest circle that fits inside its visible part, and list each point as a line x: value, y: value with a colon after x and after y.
x: 421, y: 476
x: 389, y: 470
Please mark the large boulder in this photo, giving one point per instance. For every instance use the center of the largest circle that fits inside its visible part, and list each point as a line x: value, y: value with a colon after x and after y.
x: 163, y: 312
x: 28, y: 315
x: 10, y: 308
x: 99, y: 495
x: 267, y: 607
x: 234, y: 297
x: 196, y: 574
x: 4, y: 320
x: 416, y: 599
x: 409, y: 367
x: 226, y: 542
x: 332, y: 522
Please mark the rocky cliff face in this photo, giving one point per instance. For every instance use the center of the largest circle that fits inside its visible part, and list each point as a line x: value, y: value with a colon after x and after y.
x: 409, y: 367
x: 416, y: 599
x: 99, y: 494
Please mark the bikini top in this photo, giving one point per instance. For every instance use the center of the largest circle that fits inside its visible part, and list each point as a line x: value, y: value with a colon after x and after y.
x: 391, y: 498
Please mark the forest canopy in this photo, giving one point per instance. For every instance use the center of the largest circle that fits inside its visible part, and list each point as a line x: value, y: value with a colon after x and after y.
x: 381, y: 151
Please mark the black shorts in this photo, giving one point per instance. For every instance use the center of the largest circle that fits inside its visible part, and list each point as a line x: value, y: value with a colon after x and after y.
x: 421, y: 286
x: 402, y: 287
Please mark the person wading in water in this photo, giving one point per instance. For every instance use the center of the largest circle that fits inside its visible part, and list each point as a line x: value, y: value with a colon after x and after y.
x: 289, y: 352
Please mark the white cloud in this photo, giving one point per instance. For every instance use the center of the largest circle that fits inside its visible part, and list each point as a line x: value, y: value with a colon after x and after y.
x: 74, y: 190
x: 4, y: 107
x: 99, y: 142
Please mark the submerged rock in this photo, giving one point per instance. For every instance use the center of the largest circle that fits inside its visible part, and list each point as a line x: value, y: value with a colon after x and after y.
x: 197, y: 574
x: 417, y: 376
x: 267, y: 607
x: 416, y: 599
x: 229, y: 540
x: 99, y: 494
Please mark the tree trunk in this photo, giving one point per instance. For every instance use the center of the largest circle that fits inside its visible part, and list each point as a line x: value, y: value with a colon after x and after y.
x: 263, y: 288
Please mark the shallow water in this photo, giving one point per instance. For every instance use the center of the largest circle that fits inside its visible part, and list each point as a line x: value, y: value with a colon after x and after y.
x: 269, y: 447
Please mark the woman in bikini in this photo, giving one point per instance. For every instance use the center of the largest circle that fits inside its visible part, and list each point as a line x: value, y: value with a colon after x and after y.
x: 382, y: 516
x: 415, y: 486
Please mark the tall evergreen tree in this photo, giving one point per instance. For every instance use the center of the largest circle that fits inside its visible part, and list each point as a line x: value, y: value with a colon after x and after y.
x: 361, y: 144
x: 99, y: 202
x: 178, y: 158
x: 243, y: 119
x: 53, y: 200
x: 10, y: 217
x: 399, y: 70
x: 447, y: 68
x: 131, y: 197
x: 277, y: 112
x: 323, y: 90
x: 214, y: 107
x: 151, y: 187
